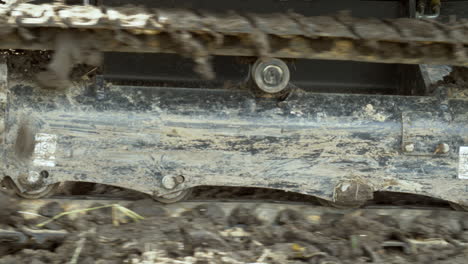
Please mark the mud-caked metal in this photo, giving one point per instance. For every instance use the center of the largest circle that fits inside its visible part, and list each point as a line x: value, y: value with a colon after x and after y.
x: 331, y: 146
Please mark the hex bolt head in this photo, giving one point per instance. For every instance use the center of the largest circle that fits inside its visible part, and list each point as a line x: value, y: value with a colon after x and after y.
x: 409, y: 147
x: 169, y: 182
x: 270, y: 75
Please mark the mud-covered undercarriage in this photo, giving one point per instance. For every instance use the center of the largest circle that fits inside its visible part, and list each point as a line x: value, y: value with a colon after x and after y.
x: 336, y: 105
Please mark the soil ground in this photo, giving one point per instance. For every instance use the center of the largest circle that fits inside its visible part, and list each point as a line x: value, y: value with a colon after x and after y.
x: 207, y: 233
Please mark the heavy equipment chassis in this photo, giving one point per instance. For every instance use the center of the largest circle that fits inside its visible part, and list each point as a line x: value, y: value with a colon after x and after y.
x: 163, y: 141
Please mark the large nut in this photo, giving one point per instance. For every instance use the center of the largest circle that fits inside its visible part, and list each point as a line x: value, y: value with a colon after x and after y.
x: 270, y: 75
x: 169, y: 182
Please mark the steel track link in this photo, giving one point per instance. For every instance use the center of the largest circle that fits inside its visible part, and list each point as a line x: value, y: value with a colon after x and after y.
x: 200, y: 35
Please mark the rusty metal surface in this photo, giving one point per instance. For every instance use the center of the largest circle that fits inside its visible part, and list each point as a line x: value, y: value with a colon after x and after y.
x: 200, y: 35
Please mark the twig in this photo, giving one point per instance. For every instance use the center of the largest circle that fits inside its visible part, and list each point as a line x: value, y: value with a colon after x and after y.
x: 265, y: 254
x: 115, y: 220
x: 29, y: 213
x: 374, y: 256
x: 76, y: 254
x: 85, y: 76
x: 124, y: 210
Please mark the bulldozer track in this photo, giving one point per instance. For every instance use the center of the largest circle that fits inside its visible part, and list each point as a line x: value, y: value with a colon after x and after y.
x: 195, y: 201
x: 199, y: 34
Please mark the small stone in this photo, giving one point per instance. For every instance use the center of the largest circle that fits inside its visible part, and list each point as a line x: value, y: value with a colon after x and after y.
x: 450, y: 226
x: 423, y: 226
x: 235, y: 232
x: 148, y: 208
x: 91, y: 260
x: 7, y: 259
x: 464, y: 236
x: 36, y: 261
x: 203, y: 238
x: 51, y: 209
x: 388, y: 221
x: 243, y: 216
x: 289, y: 216
x: 78, y: 224
x: 287, y: 252
x: 268, y: 235
x: 100, y: 216
x: 329, y: 218
x: 173, y: 248
x: 212, y: 212
x: 464, y: 223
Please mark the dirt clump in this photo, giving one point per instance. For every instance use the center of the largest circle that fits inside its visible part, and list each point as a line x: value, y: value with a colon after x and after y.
x: 457, y: 83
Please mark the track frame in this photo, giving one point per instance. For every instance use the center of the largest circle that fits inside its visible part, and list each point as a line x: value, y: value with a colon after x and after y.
x: 339, y: 147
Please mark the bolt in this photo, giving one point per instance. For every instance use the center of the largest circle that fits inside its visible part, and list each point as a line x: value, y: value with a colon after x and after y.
x: 169, y: 182
x: 180, y: 179
x: 443, y: 148
x: 33, y: 177
x: 272, y: 75
x: 444, y: 107
x: 409, y: 147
